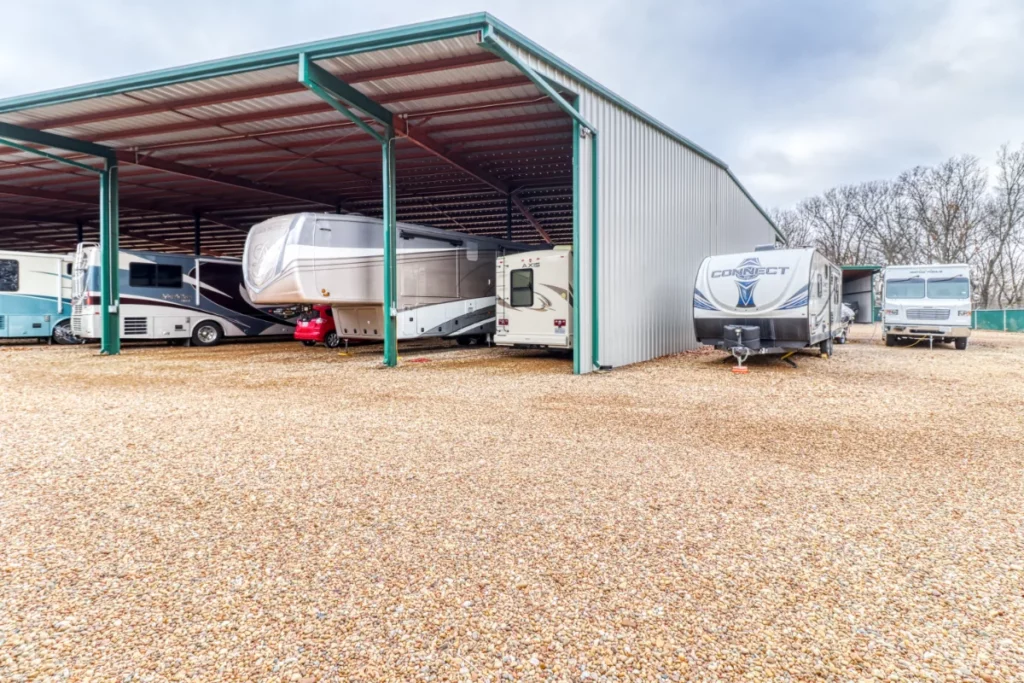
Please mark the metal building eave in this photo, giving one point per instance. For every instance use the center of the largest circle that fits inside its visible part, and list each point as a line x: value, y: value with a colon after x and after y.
x: 255, y: 61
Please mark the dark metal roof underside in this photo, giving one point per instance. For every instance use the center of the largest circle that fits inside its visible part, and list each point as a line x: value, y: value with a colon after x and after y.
x: 244, y: 147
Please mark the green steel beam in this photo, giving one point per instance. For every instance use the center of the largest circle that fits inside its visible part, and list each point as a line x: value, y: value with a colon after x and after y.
x: 390, y: 252
x: 38, y: 137
x: 110, y: 343
x: 490, y: 41
x: 51, y: 157
x: 312, y: 75
x: 341, y: 96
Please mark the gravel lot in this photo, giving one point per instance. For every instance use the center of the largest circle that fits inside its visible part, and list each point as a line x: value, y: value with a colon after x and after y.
x: 275, y: 513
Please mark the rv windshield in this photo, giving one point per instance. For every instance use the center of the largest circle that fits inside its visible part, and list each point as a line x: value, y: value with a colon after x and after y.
x: 910, y: 288
x: 949, y: 288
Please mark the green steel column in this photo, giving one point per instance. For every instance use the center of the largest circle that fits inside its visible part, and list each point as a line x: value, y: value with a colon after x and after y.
x: 595, y: 274
x: 109, y: 295
x: 390, y: 250
x: 575, y: 298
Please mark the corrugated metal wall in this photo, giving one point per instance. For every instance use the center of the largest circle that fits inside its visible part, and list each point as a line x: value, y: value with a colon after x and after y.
x: 662, y: 208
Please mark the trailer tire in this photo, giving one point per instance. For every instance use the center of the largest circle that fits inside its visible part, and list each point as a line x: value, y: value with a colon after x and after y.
x: 332, y: 340
x: 961, y: 343
x: 62, y: 334
x: 207, y: 333
x: 308, y: 342
x: 890, y: 340
x: 463, y: 341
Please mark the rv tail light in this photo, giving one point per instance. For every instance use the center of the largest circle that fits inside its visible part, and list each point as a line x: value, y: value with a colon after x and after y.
x: 559, y: 323
x: 503, y: 321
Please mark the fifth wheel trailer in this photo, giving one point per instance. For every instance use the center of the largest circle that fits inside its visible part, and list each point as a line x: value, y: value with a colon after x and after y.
x: 445, y: 278
x: 768, y: 301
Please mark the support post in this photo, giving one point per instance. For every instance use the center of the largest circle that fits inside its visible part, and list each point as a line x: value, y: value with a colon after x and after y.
x: 390, y: 250
x: 79, y: 231
x: 110, y: 344
x: 508, y: 216
x: 197, y: 235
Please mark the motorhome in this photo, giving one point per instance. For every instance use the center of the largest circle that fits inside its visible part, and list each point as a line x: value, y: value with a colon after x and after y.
x: 534, y: 299
x: 173, y: 297
x: 927, y: 302
x: 768, y: 301
x: 445, y: 279
x: 35, y: 296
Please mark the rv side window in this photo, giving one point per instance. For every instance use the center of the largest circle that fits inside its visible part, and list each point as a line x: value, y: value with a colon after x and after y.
x: 154, y: 275
x: 522, y: 288
x: 68, y: 268
x: 8, y: 275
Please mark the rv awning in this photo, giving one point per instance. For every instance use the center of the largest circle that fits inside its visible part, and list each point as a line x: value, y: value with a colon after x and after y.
x: 232, y: 142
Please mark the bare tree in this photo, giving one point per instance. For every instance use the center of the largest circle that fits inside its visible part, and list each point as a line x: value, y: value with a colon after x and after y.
x: 947, y: 204
x: 833, y: 225
x: 882, y: 213
x: 1000, y: 254
x: 793, y: 226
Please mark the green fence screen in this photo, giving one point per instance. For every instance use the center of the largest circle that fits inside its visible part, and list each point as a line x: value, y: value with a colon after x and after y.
x: 1004, y: 319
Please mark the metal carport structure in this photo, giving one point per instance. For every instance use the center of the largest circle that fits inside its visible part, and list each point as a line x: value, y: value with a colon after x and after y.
x: 461, y: 123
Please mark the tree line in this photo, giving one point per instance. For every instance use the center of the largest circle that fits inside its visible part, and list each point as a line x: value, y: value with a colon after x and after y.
x: 958, y: 211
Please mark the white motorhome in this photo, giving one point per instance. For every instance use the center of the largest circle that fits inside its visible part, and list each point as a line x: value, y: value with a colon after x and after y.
x: 535, y: 299
x: 35, y: 296
x: 175, y: 298
x: 927, y: 302
x: 445, y: 278
x: 768, y: 301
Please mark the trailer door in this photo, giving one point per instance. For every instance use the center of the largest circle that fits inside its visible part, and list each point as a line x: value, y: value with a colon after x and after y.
x: 323, y: 278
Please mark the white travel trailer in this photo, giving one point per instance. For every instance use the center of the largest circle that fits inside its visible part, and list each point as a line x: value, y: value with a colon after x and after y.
x: 768, y: 301
x: 445, y: 278
x: 35, y: 296
x: 534, y: 299
x: 175, y: 298
x: 927, y: 302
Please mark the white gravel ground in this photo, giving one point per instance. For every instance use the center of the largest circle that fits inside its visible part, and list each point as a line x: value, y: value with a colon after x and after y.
x: 274, y: 513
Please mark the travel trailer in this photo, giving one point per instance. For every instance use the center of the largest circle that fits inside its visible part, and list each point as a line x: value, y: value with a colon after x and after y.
x: 768, y: 301
x: 445, y: 278
x: 35, y: 296
x: 534, y: 299
x: 174, y: 297
x: 927, y: 302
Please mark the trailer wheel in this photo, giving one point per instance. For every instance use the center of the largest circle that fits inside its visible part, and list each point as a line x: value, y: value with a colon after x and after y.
x: 890, y: 340
x: 332, y: 340
x: 62, y: 333
x: 207, y: 333
x: 463, y: 341
x: 961, y: 343
x: 826, y: 347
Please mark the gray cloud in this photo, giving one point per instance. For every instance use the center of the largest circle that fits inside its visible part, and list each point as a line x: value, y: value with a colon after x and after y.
x: 796, y: 96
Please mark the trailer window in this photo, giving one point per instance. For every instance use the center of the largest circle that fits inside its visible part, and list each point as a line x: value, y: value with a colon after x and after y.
x: 67, y: 268
x: 949, y: 288
x: 9, y: 270
x: 154, y: 275
x: 522, y: 288
x: 909, y: 288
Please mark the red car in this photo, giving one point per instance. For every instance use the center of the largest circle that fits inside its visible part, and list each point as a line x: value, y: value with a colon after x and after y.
x: 317, y: 326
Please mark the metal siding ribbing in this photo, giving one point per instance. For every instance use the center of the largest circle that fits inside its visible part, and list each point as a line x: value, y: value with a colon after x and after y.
x: 662, y: 209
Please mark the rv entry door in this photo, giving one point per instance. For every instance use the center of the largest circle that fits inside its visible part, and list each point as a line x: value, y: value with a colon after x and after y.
x: 322, y: 242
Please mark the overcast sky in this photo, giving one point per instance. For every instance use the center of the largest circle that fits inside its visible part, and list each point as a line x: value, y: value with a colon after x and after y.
x: 795, y: 96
